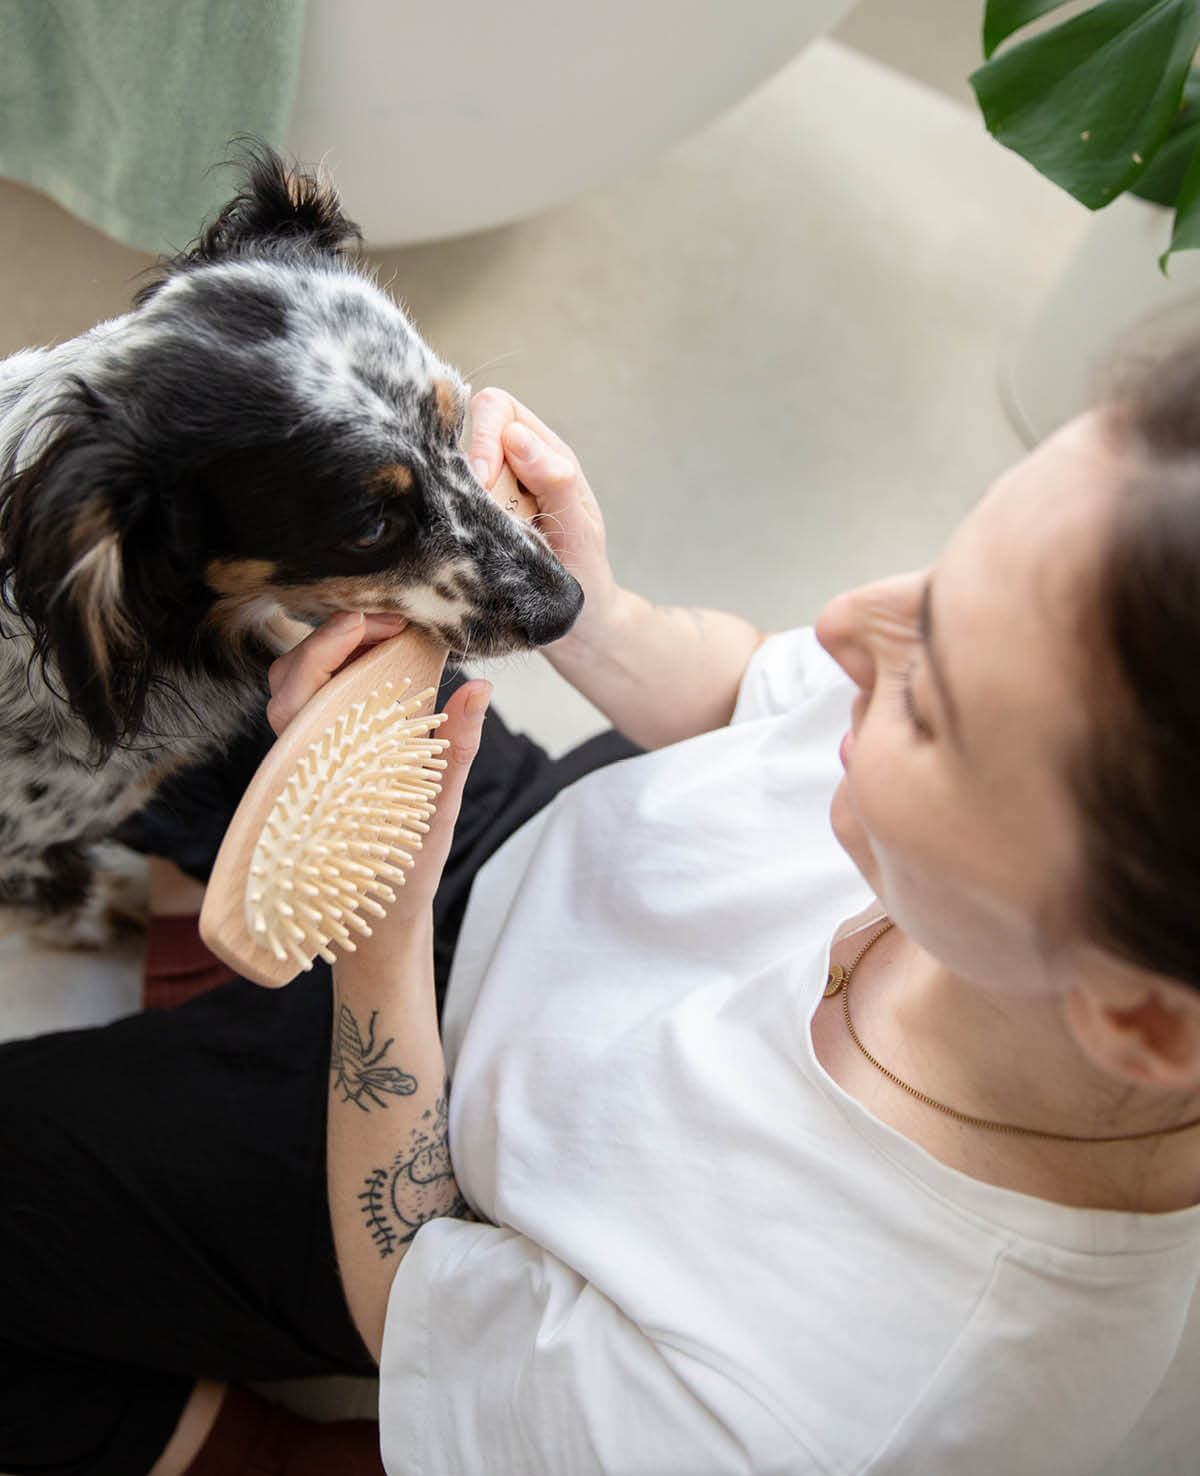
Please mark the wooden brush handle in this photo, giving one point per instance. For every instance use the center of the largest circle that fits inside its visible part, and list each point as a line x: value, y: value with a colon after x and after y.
x: 511, y: 496
x: 223, y: 916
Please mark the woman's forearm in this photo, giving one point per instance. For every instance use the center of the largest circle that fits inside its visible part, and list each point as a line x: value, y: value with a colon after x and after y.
x: 388, y: 1156
x: 659, y: 673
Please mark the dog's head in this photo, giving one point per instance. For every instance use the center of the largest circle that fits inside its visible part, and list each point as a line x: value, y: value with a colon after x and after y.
x: 266, y: 432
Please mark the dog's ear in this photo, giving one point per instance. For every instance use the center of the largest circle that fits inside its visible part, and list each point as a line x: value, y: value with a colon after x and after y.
x: 279, y: 209
x: 61, y: 520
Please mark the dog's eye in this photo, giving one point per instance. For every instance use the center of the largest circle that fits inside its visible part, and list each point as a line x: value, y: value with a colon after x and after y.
x: 375, y: 534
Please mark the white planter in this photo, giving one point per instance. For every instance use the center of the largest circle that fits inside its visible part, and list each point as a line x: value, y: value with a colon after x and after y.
x: 1112, y: 299
x: 442, y: 118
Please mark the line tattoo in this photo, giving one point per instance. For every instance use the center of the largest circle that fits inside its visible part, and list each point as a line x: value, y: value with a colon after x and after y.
x: 417, y: 1186
x: 356, y: 1066
x: 373, y: 1200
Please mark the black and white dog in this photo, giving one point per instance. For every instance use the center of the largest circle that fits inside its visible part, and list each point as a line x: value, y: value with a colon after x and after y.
x: 263, y: 439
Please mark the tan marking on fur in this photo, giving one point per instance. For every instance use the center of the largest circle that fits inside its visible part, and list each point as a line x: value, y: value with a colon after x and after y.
x: 95, y: 584
x: 239, y: 576
x: 238, y: 614
x: 446, y: 398
x: 393, y: 479
x: 340, y: 592
x: 234, y: 616
x: 91, y: 527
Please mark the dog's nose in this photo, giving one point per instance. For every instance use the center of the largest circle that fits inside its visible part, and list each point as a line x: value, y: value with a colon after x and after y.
x: 555, y: 617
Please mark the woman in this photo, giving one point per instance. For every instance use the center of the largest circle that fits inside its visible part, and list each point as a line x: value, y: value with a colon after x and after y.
x: 776, y: 1149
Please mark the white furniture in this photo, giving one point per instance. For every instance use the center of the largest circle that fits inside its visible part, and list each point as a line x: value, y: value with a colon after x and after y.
x: 1110, y: 301
x: 446, y: 118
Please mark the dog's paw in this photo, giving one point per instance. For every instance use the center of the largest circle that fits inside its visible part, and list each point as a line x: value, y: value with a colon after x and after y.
x: 116, y: 905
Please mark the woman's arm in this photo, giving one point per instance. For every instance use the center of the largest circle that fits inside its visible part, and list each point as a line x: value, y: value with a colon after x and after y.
x: 387, y: 1151
x: 659, y: 673
x: 386, y: 1141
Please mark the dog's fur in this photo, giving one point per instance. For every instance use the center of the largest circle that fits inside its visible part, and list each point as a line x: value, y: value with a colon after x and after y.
x: 263, y: 439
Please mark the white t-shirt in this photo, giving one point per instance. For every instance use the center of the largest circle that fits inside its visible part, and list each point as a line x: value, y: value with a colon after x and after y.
x: 705, y: 1257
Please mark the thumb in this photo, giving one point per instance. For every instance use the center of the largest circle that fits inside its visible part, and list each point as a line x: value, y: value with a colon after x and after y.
x: 537, y: 466
x: 463, y: 728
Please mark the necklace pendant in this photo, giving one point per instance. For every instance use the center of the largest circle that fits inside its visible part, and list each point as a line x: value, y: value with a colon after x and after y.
x: 836, y: 981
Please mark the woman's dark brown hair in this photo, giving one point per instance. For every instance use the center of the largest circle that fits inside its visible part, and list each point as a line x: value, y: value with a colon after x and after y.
x: 1139, y: 783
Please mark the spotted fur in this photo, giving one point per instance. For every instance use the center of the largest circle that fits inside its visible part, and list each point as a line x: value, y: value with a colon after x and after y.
x: 264, y: 439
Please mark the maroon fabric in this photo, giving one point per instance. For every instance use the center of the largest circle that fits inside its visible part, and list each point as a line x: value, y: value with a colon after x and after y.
x: 178, y: 966
x: 254, y: 1438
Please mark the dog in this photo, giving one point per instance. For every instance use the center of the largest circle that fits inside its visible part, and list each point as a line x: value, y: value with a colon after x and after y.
x: 186, y: 489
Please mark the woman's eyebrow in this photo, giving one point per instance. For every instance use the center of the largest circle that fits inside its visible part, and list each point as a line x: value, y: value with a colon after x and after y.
x: 935, y: 665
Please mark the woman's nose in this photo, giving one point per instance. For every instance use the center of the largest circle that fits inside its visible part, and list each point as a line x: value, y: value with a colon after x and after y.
x: 840, y: 629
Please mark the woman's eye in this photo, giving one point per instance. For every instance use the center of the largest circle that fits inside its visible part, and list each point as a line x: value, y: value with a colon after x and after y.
x: 904, y: 688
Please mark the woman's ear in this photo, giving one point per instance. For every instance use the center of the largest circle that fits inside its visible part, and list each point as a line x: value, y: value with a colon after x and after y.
x: 1139, y: 1026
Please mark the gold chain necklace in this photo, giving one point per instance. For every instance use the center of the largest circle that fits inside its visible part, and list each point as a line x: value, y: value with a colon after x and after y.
x: 839, y: 983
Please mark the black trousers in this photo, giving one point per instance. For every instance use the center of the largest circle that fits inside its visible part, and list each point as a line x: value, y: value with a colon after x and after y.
x: 163, y: 1208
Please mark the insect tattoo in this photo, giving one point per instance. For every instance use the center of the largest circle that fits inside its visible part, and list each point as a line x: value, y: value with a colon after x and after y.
x: 357, y: 1064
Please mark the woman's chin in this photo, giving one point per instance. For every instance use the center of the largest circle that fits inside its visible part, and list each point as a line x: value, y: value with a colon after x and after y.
x: 848, y: 832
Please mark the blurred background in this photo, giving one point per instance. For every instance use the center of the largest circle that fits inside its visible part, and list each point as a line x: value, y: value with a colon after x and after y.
x: 774, y: 329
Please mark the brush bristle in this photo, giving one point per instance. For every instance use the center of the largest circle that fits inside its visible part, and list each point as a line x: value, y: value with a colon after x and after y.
x: 343, y: 829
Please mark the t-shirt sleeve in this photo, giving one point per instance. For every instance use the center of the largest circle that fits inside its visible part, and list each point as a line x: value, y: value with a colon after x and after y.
x: 786, y: 670
x: 498, y: 1357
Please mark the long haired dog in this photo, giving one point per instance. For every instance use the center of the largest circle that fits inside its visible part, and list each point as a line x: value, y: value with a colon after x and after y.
x: 263, y: 439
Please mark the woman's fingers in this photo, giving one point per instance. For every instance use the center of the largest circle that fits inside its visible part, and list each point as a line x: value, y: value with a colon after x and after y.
x: 463, y: 729
x: 492, y: 412
x: 547, y: 473
x: 298, y: 675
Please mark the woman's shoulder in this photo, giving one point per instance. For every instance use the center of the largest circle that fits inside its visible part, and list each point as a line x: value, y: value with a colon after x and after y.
x: 788, y: 669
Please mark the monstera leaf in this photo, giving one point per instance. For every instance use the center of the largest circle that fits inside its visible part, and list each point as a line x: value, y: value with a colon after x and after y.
x: 1101, y: 103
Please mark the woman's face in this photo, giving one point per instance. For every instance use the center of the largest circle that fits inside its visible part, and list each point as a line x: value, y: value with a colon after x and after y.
x: 955, y: 803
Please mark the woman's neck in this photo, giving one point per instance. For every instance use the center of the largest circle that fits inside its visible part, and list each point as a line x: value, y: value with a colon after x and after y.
x: 1010, y: 1060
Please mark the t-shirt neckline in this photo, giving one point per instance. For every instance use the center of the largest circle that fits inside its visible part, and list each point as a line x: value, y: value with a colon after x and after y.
x: 1067, y: 1227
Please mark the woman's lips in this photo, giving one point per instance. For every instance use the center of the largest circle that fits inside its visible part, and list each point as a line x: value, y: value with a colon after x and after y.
x: 846, y: 748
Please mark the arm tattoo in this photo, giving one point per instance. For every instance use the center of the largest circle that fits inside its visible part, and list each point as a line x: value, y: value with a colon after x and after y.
x: 356, y: 1064
x: 418, y: 1186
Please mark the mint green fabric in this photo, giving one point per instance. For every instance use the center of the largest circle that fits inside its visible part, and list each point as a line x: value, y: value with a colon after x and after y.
x: 119, y: 109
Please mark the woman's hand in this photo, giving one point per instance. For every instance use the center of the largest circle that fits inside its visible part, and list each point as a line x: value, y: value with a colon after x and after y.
x: 300, y: 673
x: 658, y: 673
x: 297, y: 676
x: 509, y: 440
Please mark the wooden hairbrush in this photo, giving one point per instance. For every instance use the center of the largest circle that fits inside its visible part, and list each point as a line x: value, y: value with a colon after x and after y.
x: 327, y: 827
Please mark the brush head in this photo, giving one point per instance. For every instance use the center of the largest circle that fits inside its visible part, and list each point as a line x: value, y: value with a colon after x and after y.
x: 329, y: 825
x: 344, y: 827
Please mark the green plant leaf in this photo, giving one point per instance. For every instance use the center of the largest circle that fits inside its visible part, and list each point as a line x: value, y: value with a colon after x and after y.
x: 1186, y: 233
x: 1003, y: 17
x: 1089, y: 102
x: 1163, y: 176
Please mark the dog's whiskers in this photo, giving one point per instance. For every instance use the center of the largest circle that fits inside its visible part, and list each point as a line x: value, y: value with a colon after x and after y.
x: 490, y: 364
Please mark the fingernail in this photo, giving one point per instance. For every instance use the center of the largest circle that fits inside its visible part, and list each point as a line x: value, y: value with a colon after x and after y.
x: 519, y: 442
x: 344, y: 620
x: 482, y: 471
x: 478, y: 700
